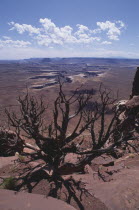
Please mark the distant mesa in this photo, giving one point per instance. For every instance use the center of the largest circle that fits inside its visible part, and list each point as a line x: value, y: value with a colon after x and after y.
x: 46, y: 60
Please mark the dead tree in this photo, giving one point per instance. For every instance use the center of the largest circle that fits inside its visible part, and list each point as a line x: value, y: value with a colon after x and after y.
x: 102, y: 133
x: 105, y: 134
x: 54, y: 141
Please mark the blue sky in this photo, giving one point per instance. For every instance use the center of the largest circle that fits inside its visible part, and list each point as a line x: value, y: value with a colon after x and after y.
x: 68, y: 28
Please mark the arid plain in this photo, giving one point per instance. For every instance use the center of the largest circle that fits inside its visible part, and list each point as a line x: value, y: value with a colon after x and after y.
x: 39, y: 77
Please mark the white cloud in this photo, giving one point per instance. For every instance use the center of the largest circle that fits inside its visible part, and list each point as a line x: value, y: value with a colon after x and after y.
x: 51, y: 34
x: 13, y: 43
x: 106, y: 42
x: 48, y: 34
x: 21, y: 28
x: 82, y: 29
x: 84, y: 35
x: 6, y: 37
x: 113, y: 29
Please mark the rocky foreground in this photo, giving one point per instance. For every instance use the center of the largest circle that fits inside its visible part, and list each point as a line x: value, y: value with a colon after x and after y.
x: 116, y: 186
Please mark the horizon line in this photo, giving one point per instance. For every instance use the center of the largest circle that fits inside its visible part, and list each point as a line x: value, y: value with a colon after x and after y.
x: 70, y: 57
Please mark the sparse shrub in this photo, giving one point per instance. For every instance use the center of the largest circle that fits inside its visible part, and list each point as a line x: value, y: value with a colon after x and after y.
x: 9, y: 143
x: 21, y: 158
x: 9, y: 183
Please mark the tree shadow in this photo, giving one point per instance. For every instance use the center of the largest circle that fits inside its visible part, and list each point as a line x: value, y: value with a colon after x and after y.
x: 30, y: 177
x: 73, y: 190
x: 84, y: 91
x: 91, y: 106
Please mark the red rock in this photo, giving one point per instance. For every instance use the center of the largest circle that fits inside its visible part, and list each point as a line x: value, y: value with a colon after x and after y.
x: 27, y: 201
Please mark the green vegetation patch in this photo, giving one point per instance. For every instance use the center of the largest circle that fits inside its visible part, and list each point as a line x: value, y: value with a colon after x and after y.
x: 8, y: 183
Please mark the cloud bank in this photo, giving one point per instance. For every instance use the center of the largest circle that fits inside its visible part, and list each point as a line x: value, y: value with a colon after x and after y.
x: 49, y: 34
x: 7, y: 42
x: 48, y: 39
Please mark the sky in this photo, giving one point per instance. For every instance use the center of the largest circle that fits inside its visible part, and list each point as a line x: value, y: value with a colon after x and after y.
x: 69, y: 28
